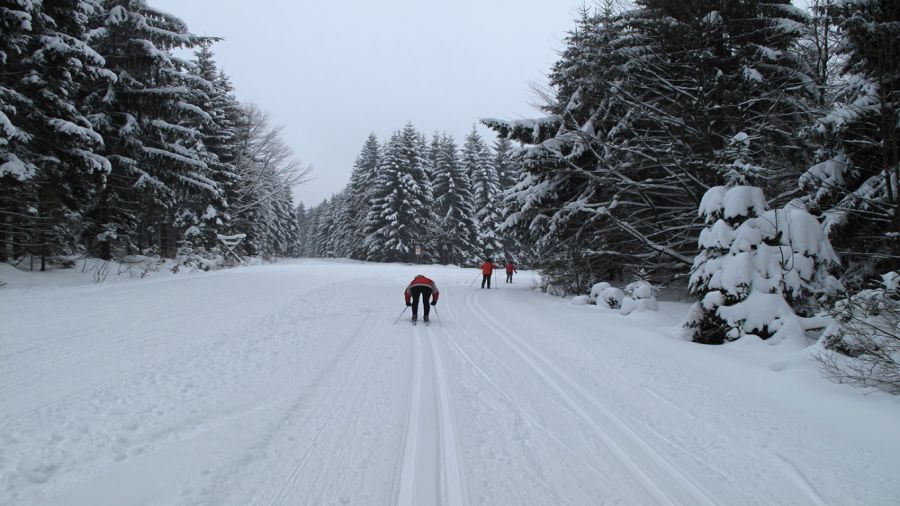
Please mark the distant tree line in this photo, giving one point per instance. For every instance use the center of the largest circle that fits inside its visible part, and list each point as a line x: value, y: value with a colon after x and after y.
x: 111, y: 145
x: 410, y: 195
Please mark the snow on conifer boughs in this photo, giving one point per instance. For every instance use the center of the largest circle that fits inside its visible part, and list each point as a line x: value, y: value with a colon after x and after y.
x: 48, y: 160
x: 111, y: 144
x: 402, y: 206
x: 645, y: 116
x: 455, y: 225
x: 359, y: 192
x: 856, y: 185
x: 755, y: 266
x: 146, y: 117
x: 486, y: 196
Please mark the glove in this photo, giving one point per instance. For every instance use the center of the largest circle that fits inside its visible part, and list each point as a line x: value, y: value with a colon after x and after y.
x: 408, y: 304
x: 434, y: 303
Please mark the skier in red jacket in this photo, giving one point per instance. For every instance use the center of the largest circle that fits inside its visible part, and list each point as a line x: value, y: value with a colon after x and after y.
x: 487, y: 268
x: 510, y: 268
x: 422, y: 287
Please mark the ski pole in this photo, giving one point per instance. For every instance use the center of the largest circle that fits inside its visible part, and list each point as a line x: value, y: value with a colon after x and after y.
x: 437, y: 314
x: 401, y: 315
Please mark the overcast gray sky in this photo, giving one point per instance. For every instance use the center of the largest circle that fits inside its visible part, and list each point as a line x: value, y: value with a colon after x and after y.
x: 331, y: 72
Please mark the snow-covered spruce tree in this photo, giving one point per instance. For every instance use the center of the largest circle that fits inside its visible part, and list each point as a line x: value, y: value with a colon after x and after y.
x: 49, y: 169
x: 213, y: 94
x: 504, y: 163
x: 755, y: 269
x: 402, y: 206
x: 308, y: 237
x: 477, y: 162
x: 645, y: 107
x: 326, y: 236
x: 862, y: 345
x: 856, y: 186
x: 358, y: 200
x: 563, y: 202
x: 455, y: 223
x: 156, y: 157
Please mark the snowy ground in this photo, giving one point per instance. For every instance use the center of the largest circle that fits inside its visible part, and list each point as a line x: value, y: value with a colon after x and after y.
x: 289, y: 384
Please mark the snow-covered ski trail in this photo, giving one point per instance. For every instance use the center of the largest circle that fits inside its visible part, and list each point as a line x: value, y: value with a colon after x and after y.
x: 658, y: 476
x: 289, y: 384
x: 431, y: 468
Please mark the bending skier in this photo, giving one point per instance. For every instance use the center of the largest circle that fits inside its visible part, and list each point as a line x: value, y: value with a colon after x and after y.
x: 422, y: 287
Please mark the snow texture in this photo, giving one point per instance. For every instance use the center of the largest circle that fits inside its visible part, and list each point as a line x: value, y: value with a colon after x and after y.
x: 289, y: 384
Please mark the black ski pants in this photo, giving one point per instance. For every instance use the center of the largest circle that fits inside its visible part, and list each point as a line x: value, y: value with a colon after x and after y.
x: 485, y: 278
x: 420, y: 291
x: 509, y: 277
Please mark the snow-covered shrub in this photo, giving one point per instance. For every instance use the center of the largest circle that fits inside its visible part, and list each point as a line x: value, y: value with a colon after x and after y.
x: 581, y: 300
x: 862, y: 346
x: 597, y: 289
x: 611, y: 298
x: 754, y: 267
x: 639, y: 296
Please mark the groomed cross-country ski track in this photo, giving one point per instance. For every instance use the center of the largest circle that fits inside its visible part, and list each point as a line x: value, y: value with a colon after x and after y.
x: 290, y: 384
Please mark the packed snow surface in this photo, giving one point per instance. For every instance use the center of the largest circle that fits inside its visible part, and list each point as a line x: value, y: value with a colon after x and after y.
x: 290, y: 384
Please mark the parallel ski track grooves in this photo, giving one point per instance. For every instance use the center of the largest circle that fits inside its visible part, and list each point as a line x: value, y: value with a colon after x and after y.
x: 321, y: 429
x: 663, y: 469
x: 451, y: 483
x: 411, y: 443
x: 447, y: 467
x: 505, y: 395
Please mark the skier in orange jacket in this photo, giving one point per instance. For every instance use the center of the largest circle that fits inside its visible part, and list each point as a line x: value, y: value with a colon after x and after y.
x: 510, y: 268
x: 487, y: 268
x: 422, y: 287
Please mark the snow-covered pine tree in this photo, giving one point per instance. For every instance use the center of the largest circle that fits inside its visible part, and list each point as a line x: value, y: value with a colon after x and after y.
x: 562, y: 202
x: 308, y: 237
x: 402, y: 207
x: 49, y: 168
x: 455, y: 230
x: 486, y: 197
x: 856, y: 185
x: 213, y: 94
x: 155, y: 157
x: 504, y: 164
x: 645, y: 109
x: 326, y: 237
x: 358, y: 200
x: 302, y: 216
x: 756, y: 268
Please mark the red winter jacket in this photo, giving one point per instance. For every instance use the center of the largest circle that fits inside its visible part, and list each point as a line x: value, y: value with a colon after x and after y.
x: 510, y: 268
x: 421, y: 281
x: 487, y: 268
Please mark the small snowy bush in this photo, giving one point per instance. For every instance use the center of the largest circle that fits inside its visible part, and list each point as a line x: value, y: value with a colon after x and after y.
x: 611, y: 298
x: 581, y: 300
x: 754, y: 267
x: 862, y: 346
x: 597, y: 289
x: 640, y: 296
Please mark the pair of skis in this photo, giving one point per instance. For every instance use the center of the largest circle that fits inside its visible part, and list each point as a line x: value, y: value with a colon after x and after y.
x: 414, y: 322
